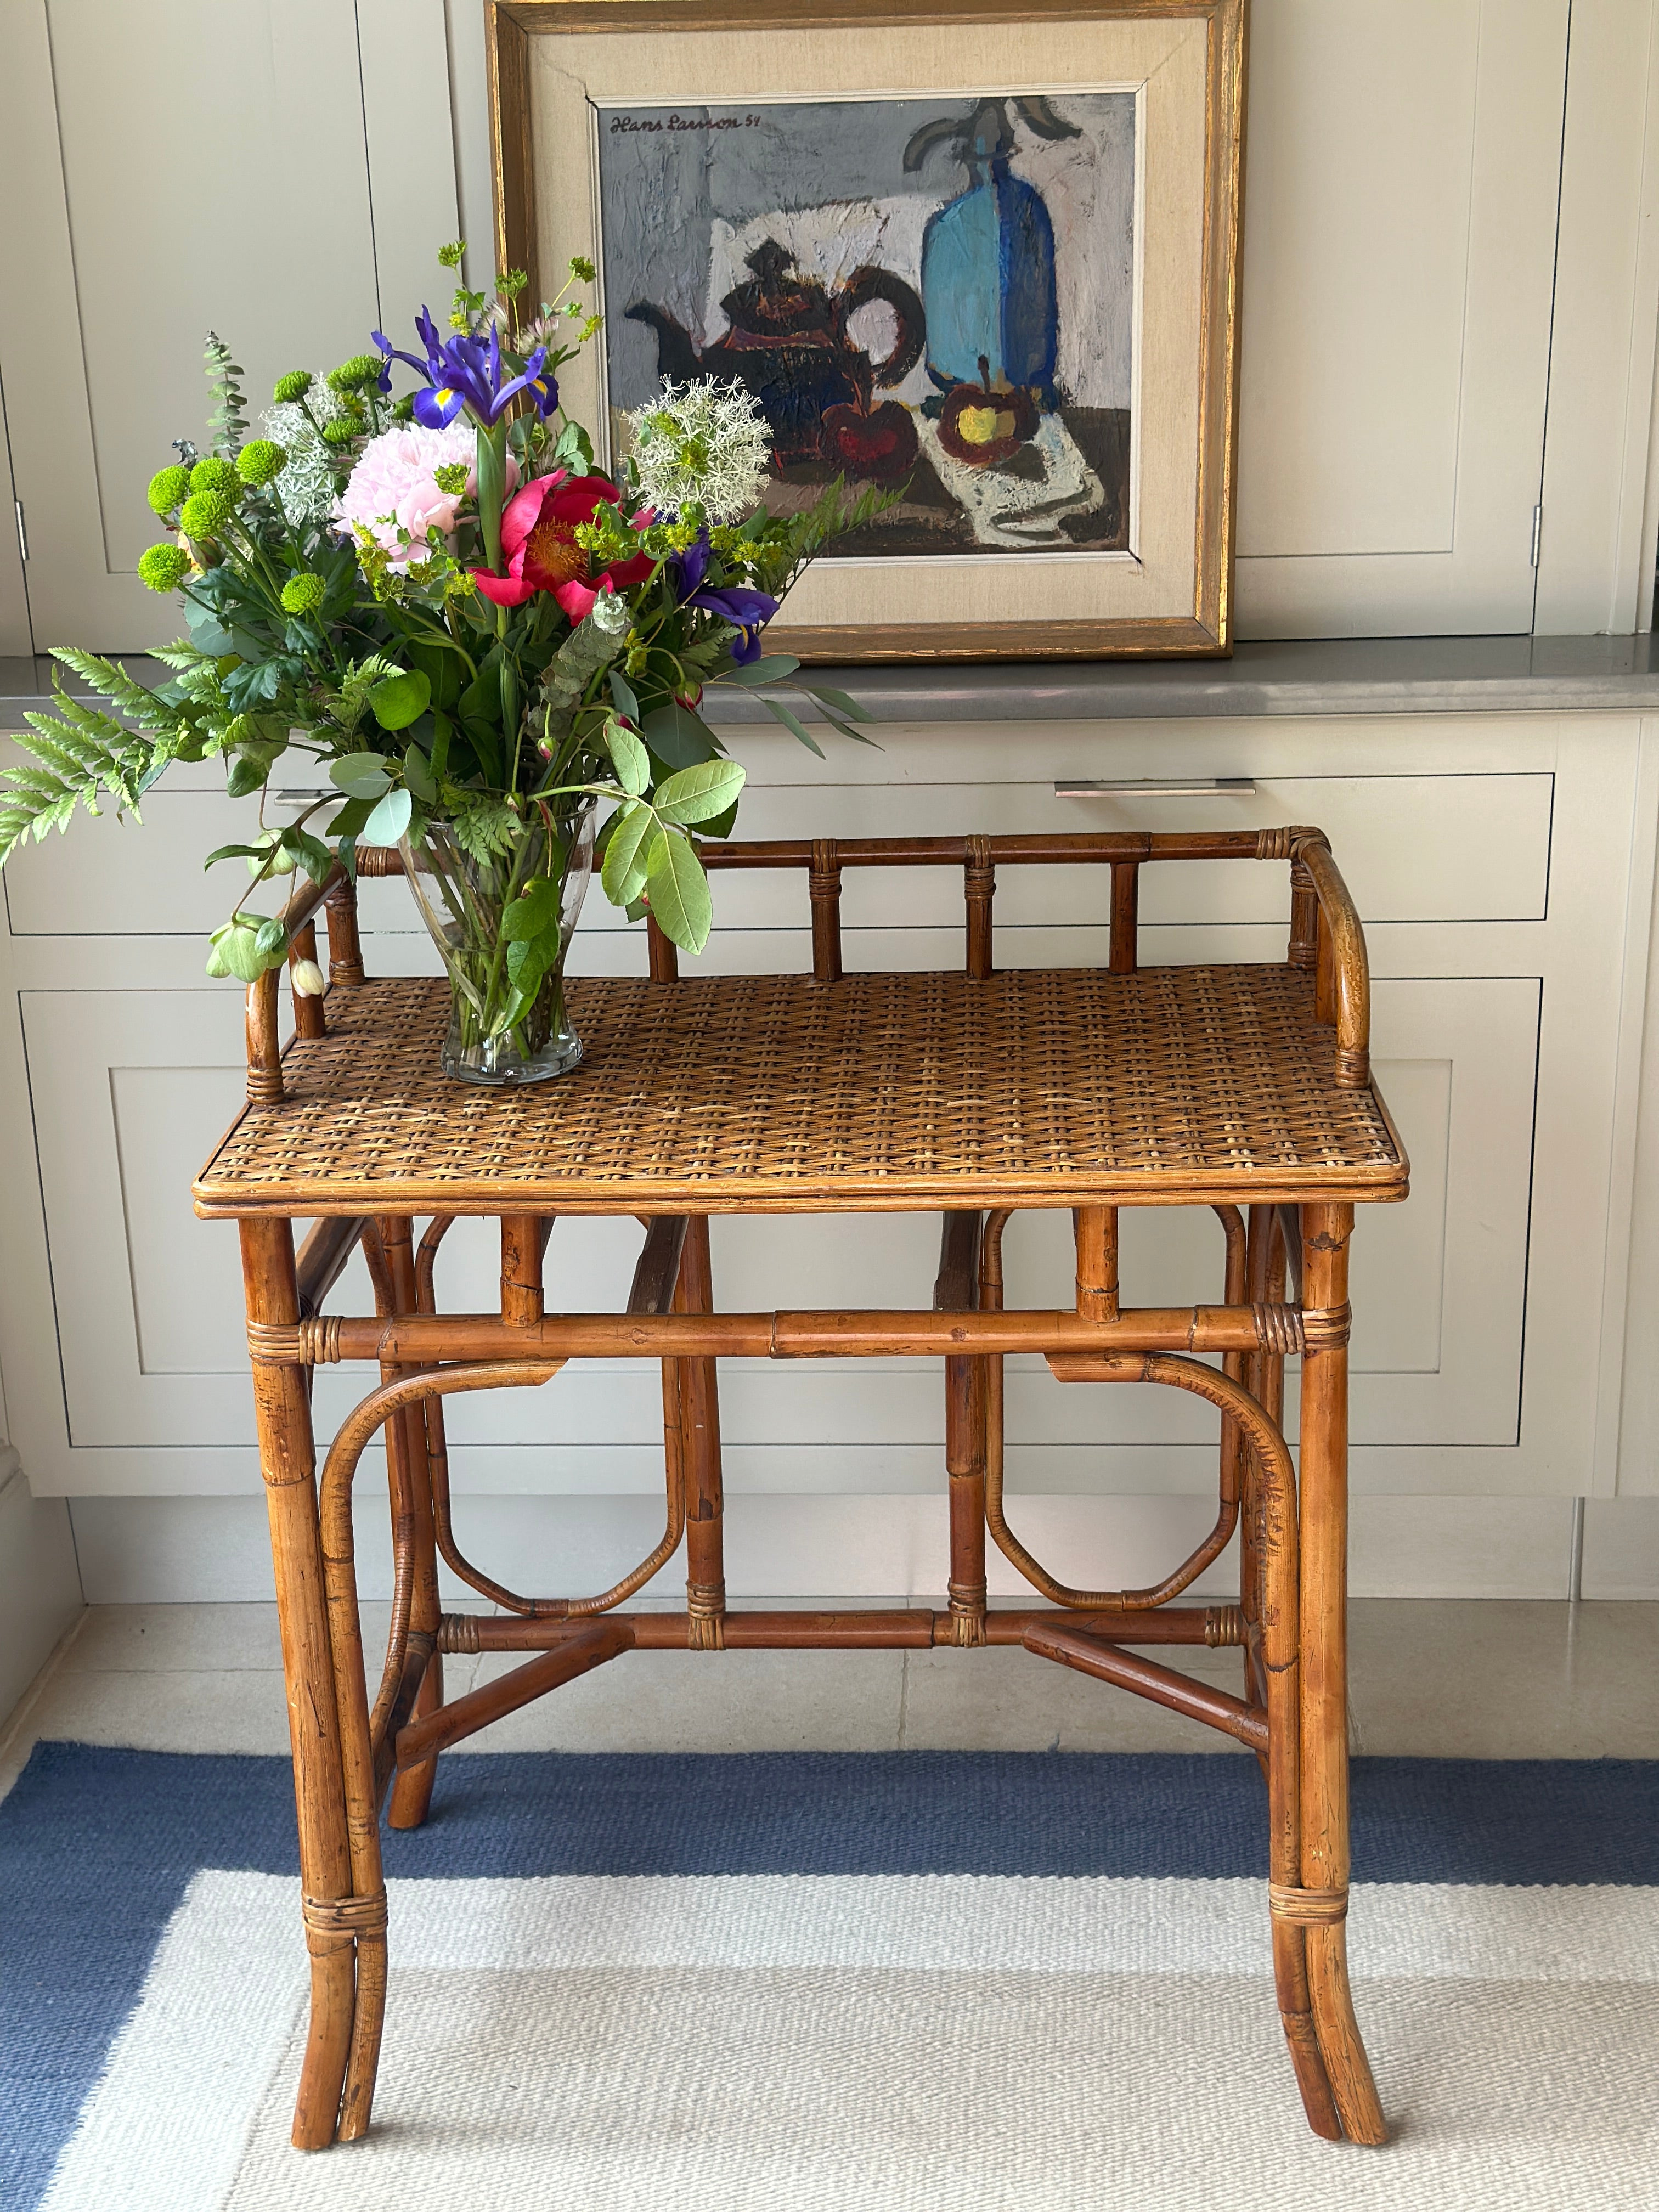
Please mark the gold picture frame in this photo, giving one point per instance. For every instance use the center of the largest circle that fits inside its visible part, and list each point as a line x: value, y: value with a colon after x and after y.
x: 956, y: 576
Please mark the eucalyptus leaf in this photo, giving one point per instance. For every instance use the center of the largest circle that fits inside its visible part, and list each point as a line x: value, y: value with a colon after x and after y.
x: 792, y: 723
x: 770, y: 668
x: 679, y: 891
x: 840, y: 701
x: 389, y: 820
x: 697, y: 794
x: 361, y: 775
x: 845, y: 730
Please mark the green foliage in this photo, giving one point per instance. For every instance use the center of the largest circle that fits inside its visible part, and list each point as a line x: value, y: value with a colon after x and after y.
x: 400, y: 699
x: 699, y: 794
x: 245, y: 945
x: 389, y: 821
x: 421, y: 704
x: 228, y: 422
x: 679, y: 890
x: 485, y: 828
x: 80, y: 753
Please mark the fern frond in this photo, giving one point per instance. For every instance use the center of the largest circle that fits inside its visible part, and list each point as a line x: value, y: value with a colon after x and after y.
x: 124, y: 693
x: 74, y: 755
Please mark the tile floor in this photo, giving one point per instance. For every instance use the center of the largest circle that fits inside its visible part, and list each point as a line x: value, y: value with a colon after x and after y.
x: 1487, y: 1678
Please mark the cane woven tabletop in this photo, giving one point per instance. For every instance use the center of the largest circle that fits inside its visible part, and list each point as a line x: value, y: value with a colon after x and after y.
x: 1034, y: 1086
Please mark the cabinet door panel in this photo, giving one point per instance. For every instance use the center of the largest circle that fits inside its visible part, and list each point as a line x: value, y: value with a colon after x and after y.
x: 318, y: 124
x: 1400, y: 220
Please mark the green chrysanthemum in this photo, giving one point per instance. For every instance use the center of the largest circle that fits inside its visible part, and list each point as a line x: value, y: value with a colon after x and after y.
x: 355, y: 375
x: 166, y: 487
x: 303, y: 595
x: 293, y: 386
x: 212, y: 474
x: 205, y: 513
x: 260, y: 461
x: 163, y: 567
x: 341, y: 431
x: 404, y: 410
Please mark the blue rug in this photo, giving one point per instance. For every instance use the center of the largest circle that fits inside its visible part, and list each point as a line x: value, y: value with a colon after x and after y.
x: 100, y: 1851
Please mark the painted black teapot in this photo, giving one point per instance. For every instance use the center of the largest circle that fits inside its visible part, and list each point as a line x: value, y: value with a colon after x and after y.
x: 788, y: 343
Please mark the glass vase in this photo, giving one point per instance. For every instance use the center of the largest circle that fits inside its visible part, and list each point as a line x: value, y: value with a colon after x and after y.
x: 498, y: 1035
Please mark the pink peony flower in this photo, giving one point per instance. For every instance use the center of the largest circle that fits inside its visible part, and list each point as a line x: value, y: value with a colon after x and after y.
x: 394, y: 488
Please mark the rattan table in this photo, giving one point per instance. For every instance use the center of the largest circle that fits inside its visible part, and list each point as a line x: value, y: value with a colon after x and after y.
x: 1244, y: 1088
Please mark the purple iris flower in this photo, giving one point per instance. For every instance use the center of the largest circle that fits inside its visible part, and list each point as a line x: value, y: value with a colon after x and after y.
x: 748, y: 611
x: 465, y: 371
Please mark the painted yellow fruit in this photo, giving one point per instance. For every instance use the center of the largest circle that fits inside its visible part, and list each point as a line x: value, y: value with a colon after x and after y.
x: 984, y: 426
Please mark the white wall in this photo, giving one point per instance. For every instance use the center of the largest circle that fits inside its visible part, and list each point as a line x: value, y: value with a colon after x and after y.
x: 40, y: 1580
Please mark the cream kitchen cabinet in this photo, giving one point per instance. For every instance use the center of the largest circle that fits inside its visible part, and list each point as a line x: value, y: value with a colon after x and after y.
x: 1502, y: 866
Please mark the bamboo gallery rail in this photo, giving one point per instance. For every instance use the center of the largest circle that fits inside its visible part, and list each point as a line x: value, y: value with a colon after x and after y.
x: 1244, y: 1089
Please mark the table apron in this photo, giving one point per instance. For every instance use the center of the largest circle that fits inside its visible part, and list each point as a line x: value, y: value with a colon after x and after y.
x: 423, y: 1339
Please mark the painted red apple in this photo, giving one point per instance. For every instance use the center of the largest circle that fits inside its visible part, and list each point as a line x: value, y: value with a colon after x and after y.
x: 879, y: 447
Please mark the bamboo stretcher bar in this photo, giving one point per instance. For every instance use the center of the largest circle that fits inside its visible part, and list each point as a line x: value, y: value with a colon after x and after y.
x: 1079, y: 845
x: 1216, y: 1709
x: 421, y: 1339
x: 588, y: 1646
x: 890, y: 1628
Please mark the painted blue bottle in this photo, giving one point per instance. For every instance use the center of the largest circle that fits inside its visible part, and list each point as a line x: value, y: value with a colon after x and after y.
x: 987, y: 286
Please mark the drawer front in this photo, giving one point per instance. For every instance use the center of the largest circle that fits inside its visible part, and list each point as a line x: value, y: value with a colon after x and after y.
x: 1413, y: 848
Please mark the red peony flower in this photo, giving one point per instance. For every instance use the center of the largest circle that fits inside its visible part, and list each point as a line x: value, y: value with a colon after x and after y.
x: 538, y: 545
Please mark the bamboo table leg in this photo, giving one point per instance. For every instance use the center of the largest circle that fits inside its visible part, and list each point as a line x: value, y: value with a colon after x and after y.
x: 287, y: 1463
x: 414, y: 1545
x: 700, y: 1432
x: 1324, y: 1625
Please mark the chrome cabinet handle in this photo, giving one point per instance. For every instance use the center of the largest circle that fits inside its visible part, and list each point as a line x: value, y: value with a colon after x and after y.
x: 1128, y: 787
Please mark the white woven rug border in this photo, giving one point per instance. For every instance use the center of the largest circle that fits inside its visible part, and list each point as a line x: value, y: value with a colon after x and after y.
x: 228, y: 1980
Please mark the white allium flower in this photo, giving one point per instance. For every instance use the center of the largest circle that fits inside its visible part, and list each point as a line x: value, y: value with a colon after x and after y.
x: 708, y: 441
x: 307, y: 484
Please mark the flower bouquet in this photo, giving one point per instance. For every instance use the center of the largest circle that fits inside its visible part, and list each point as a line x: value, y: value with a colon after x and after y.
x: 479, y: 639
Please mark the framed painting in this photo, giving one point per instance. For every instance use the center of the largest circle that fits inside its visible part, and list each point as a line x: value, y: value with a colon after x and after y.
x: 983, y: 255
